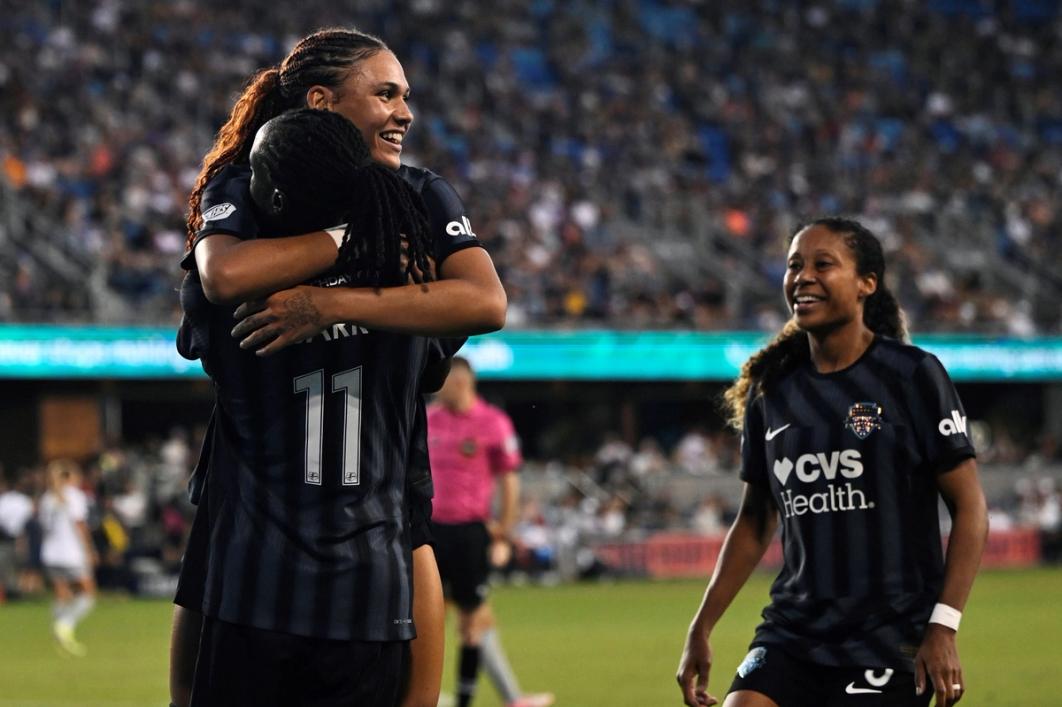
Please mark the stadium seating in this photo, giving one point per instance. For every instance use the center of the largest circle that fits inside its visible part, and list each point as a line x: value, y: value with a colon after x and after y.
x: 633, y: 167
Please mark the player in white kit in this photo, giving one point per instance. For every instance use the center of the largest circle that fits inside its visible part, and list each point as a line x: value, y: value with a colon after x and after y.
x: 67, y: 552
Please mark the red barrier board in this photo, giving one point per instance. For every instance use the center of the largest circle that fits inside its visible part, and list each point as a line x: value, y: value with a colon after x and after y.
x: 674, y: 555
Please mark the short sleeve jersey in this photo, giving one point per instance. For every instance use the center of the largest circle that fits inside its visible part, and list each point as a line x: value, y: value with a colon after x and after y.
x: 850, y: 459
x: 62, y: 544
x: 227, y: 207
x: 468, y: 451
x: 308, y: 528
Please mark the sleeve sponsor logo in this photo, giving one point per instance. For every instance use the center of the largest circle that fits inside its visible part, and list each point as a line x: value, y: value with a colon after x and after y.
x: 216, y: 213
x: 460, y: 228
x: 954, y: 425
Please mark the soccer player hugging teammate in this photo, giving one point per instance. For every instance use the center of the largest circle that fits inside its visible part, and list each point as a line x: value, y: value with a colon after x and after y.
x: 355, y: 76
x: 848, y: 434
x: 309, y: 549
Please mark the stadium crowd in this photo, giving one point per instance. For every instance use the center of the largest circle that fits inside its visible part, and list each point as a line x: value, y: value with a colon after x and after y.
x: 139, y: 514
x: 629, y: 163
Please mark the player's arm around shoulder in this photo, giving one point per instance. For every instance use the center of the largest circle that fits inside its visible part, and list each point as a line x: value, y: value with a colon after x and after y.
x: 235, y: 270
x: 234, y: 264
x: 467, y: 299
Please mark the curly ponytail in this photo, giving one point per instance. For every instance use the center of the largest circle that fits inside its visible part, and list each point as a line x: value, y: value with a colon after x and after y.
x: 881, y: 314
x: 261, y: 100
x: 784, y: 353
x: 323, y: 58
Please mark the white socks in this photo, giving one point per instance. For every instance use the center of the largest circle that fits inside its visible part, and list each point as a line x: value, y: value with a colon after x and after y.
x: 71, y: 612
x: 497, y: 666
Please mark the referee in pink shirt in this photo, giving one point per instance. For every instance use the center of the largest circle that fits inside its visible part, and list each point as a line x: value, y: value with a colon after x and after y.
x: 472, y: 445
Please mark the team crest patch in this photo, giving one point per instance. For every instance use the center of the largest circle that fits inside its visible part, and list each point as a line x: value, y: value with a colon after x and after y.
x: 469, y: 447
x: 863, y: 418
x: 216, y: 213
x: 755, y: 659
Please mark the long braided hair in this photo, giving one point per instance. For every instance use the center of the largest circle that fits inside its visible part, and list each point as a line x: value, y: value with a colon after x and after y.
x: 323, y: 58
x: 790, y: 348
x: 311, y: 169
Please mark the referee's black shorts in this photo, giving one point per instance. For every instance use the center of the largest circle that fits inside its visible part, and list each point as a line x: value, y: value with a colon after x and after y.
x: 461, y: 551
x: 240, y: 666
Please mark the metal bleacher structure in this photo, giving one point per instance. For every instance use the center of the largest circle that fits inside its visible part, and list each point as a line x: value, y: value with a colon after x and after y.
x: 38, y: 239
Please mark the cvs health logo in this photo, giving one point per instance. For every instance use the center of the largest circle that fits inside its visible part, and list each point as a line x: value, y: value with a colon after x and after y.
x: 954, y: 425
x: 809, y: 467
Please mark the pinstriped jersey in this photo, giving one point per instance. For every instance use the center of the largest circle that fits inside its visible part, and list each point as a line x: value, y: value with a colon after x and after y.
x: 306, y: 490
x: 851, y: 459
x: 307, y: 483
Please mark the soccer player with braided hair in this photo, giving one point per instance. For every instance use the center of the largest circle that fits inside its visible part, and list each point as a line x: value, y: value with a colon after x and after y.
x: 354, y: 75
x: 272, y: 426
x: 848, y: 436
x: 322, y: 148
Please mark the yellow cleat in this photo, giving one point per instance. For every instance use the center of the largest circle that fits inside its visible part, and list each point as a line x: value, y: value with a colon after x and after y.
x: 64, y: 634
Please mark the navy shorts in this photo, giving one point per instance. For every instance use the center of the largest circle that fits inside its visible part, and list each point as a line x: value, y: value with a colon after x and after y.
x: 792, y: 682
x: 240, y: 665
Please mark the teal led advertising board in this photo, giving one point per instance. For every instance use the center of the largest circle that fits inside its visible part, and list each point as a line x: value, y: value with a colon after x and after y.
x: 48, y: 351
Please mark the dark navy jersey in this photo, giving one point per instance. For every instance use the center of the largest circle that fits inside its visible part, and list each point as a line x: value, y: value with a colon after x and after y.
x: 306, y: 488
x: 309, y: 533
x: 851, y: 459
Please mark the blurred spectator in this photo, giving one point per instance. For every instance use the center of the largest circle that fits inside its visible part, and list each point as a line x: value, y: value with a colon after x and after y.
x: 1049, y: 519
x: 695, y: 454
x: 612, y: 518
x: 648, y: 461
x: 176, y: 465
x: 710, y: 517
x: 534, y: 545
x: 16, y: 509
x: 612, y: 458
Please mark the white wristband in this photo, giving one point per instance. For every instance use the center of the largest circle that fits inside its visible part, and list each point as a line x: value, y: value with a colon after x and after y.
x: 337, y: 234
x: 946, y: 616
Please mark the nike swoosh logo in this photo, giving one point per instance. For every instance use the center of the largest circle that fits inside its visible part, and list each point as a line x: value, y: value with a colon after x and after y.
x: 771, y: 434
x: 851, y: 689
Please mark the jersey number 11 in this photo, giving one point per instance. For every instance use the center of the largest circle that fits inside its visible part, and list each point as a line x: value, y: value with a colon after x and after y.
x: 348, y: 383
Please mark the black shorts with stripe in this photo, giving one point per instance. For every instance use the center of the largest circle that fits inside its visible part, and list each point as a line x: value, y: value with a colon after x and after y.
x: 792, y: 682
x: 461, y: 551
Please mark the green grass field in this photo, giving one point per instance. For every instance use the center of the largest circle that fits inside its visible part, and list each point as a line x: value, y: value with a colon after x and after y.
x: 600, y: 644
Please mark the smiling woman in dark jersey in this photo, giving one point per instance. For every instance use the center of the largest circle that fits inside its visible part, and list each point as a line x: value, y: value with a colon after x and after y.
x: 843, y: 445
x: 355, y: 75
